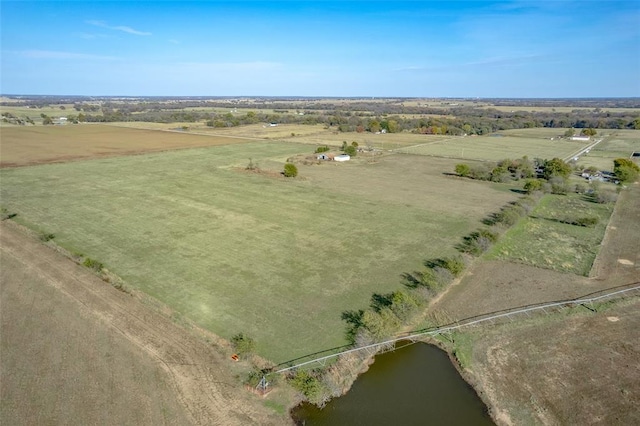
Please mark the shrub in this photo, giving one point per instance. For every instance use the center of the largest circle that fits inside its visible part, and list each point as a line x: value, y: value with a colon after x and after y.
x: 290, y: 170
x: 93, y: 264
x: 381, y: 324
x: 462, y: 170
x: 580, y: 188
x: 320, y: 149
x: 559, y: 185
x: 46, y: 237
x: 403, y: 304
x: 442, y: 276
x: 243, y: 344
x: 605, y: 196
x: 480, y: 172
x: 351, y: 150
x: 500, y: 174
x: 509, y: 215
x: 478, y: 242
x: 252, y: 165
x: 455, y: 265
x: 526, y: 203
x: 308, y: 383
x: 533, y: 185
x: 588, y: 221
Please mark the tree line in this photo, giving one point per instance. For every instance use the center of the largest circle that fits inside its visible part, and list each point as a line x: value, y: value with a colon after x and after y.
x: 391, y: 115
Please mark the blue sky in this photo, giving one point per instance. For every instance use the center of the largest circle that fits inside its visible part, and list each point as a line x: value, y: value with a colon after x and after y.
x: 295, y: 48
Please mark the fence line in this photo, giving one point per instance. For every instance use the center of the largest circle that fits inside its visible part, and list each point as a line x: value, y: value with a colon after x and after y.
x: 467, y: 323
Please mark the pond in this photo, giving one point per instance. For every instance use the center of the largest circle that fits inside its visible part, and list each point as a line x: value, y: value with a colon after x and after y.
x: 414, y: 385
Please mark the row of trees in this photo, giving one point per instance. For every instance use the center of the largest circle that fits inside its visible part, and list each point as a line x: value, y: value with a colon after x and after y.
x: 502, y: 171
x: 455, y: 122
x: 386, y: 314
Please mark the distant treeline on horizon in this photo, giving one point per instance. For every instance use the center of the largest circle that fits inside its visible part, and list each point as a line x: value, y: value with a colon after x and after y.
x: 453, y: 116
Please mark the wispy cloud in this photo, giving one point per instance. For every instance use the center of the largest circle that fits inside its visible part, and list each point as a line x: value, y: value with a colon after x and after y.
x: 57, y: 54
x: 231, y: 66
x: 91, y: 36
x: 122, y: 28
x: 174, y: 41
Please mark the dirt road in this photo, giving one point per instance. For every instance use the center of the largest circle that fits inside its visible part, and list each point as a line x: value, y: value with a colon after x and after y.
x: 73, y: 348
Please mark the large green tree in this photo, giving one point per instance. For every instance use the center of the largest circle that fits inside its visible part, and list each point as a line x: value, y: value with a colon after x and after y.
x: 625, y: 169
x: 556, y: 167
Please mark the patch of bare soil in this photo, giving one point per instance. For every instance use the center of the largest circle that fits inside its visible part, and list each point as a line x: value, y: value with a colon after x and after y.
x: 576, y: 369
x: 582, y: 369
x: 76, y: 350
x: 497, y: 285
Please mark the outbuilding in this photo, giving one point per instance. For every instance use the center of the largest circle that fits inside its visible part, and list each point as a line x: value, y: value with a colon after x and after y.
x: 325, y: 156
x: 342, y: 157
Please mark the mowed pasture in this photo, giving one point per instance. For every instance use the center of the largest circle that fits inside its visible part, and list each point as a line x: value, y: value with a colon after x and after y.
x: 501, y: 145
x: 548, y: 239
x: 277, y: 259
x: 26, y: 145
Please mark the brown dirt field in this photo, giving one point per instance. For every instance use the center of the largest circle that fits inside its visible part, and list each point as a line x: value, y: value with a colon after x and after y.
x: 21, y: 146
x: 582, y: 369
x: 577, y: 369
x: 76, y: 350
x: 510, y: 285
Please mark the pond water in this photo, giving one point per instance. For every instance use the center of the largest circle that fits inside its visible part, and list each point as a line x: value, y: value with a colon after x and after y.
x: 415, y: 385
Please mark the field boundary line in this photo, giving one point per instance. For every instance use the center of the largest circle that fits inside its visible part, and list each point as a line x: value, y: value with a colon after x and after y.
x: 473, y: 321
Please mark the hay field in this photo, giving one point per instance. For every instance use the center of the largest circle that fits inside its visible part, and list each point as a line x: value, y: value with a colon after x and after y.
x: 274, y: 258
x: 500, y: 146
x: 26, y: 145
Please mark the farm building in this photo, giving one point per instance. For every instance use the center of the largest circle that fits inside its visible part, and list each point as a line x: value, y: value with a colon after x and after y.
x: 342, y: 157
x: 325, y: 156
x: 580, y: 138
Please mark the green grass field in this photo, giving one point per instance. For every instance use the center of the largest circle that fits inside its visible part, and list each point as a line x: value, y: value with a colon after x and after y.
x: 546, y: 240
x: 52, y: 111
x: 277, y: 259
x: 616, y: 144
x: 505, y: 144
